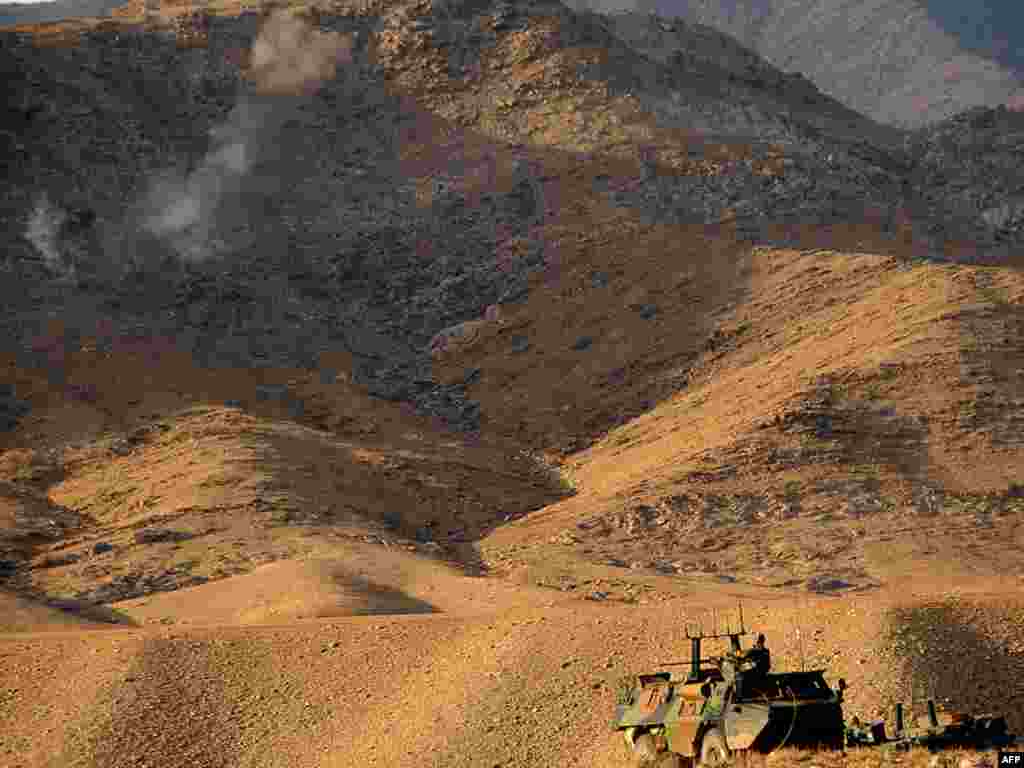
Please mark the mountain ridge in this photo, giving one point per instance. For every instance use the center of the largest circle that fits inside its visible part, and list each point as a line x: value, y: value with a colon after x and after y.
x: 382, y: 384
x: 902, y: 64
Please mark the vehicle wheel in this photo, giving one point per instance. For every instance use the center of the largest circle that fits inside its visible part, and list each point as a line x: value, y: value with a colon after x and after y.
x: 645, y: 750
x: 713, y: 752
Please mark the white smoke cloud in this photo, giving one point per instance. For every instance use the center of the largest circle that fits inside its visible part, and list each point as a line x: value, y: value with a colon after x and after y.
x: 179, y: 206
x: 43, y: 230
x: 289, y: 58
x: 233, y: 157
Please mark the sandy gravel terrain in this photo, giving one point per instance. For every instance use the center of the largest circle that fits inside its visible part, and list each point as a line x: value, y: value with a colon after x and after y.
x: 196, y: 570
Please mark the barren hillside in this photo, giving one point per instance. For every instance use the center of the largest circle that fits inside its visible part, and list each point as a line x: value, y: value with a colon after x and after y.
x: 902, y: 62
x: 382, y: 384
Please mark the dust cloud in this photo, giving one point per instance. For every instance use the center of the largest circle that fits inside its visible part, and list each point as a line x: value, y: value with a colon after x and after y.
x: 289, y: 60
x: 42, y: 230
x: 61, y: 234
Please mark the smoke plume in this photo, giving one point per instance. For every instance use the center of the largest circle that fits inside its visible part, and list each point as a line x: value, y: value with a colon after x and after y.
x: 44, y: 232
x: 289, y: 59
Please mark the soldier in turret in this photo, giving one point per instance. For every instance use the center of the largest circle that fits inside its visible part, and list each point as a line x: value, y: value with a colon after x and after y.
x: 756, y: 663
x: 759, y: 657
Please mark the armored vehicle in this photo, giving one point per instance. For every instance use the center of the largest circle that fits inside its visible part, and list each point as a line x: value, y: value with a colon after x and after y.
x: 727, y: 708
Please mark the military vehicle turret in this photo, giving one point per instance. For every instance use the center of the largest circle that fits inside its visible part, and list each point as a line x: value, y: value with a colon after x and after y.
x: 727, y: 708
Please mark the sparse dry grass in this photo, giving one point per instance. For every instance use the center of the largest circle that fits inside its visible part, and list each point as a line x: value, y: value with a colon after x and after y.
x: 873, y: 757
x: 704, y: 414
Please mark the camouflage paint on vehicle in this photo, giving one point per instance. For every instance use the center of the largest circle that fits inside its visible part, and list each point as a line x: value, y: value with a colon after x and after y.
x: 751, y: 709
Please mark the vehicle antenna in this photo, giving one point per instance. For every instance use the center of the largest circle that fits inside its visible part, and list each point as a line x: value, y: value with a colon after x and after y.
x: 800, y: 637
x: 913, y: 698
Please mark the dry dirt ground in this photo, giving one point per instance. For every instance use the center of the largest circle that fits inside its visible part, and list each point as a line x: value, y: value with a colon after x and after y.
x: 827, y: 434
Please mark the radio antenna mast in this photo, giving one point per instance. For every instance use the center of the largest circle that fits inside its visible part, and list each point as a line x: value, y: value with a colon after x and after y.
x: 800, y: 636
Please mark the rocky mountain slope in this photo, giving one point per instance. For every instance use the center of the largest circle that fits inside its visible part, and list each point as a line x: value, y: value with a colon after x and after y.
x: 902, y: 62
x: 445, y: 360
x: 41, y: 13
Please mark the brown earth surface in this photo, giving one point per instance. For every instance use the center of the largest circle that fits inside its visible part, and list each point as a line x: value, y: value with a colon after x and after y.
x: 830, y: 435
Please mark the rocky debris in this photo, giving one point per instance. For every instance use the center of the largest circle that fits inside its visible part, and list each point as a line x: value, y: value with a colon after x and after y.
x: 967, y: 175
x: 284, y: 396
x: 127, y: 586
x: 827, y: 584
x: 637, y: 520
x: 449, y: 338
x: 863, y: 504
x: 737, y: 510
x: 582, y: 343
x: 1006, y: 218
x: 430, y: 549
x: 39, y: 520
x: 126, y: 445
x: 156, y: 535
x: 647, y: 311
x: 59, y: 561
x: 519, y: 344
x: 837, y: 424
x: 121, y: 448
x: 822, y: 181
x: 956, y: 182
x: 505, y: 16
x: 12, y: 410
x: 683, y: 515
x: 271, y: 392
x: 392, y: 520
x: 102, y: 547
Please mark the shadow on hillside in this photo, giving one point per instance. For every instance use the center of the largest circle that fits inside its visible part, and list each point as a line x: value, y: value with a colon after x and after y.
x: 381, y: 600
x: 992, y: 358
x: 439, y: 502
x: 101, y: 614
x: 29, y: 521
x: 28, y: 611
x: 944, y: 656
x: 866, y: 432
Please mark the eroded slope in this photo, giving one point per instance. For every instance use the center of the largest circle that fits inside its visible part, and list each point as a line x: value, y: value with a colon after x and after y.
x: 840, y: 391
